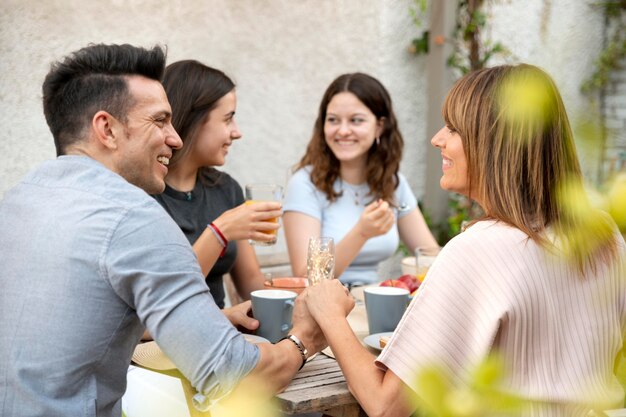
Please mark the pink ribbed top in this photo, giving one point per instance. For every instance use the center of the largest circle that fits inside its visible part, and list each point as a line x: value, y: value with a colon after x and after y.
x: 492, y: 289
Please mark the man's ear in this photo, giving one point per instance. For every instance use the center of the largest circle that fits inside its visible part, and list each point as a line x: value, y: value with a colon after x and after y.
x: 106, y: 129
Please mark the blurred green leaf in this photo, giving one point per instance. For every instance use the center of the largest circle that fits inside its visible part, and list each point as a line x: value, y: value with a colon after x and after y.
x: 481, y: 396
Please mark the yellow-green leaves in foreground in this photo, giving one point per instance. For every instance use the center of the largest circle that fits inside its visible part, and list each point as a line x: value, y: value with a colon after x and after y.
x: 482, y: 396
x: 250, y: 398
x: 616, y: 200
x: 584, y: 229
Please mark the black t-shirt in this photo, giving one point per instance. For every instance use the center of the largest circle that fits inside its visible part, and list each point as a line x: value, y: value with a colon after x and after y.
x: 214, y: 193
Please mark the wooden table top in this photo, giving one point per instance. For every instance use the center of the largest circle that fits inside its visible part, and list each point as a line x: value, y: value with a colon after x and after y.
x: 320, y: 386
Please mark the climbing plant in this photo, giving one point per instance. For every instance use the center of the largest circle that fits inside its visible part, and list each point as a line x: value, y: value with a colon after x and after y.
x: 608, y: 60
x: 471, y: 51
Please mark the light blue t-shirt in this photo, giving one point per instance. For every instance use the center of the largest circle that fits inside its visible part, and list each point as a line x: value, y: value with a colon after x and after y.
x: 340, y: 216
x: 89, y: 261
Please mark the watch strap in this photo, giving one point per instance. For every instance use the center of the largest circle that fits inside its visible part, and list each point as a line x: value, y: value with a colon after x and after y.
x: 303, y: 351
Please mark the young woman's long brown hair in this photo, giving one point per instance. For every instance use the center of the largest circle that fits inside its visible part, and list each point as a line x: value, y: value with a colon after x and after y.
x: 193, y: 90
x: 383, y: 161
x: 521, y: 157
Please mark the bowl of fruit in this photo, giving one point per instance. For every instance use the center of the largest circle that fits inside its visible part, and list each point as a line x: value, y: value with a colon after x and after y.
x: 406, y: 281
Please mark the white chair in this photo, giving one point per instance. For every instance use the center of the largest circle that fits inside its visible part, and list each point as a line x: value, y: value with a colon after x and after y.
x: 153, y: 394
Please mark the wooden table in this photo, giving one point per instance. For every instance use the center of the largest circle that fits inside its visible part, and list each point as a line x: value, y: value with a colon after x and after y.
x: 320, y: 386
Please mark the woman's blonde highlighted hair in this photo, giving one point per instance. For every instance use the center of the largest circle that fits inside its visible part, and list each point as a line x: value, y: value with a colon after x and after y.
x: 521, y: 158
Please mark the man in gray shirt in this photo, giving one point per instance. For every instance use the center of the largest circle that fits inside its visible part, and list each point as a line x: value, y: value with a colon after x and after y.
x: 89, y: 259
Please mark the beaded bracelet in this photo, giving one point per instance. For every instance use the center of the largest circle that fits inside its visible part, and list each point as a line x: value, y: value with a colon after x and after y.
x: 220, y: 238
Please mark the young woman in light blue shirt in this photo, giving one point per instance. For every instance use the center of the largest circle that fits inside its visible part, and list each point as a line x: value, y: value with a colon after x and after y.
x: 348, y: 186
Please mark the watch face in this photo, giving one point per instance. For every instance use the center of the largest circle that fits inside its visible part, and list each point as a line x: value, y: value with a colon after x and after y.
x: 299, y: 344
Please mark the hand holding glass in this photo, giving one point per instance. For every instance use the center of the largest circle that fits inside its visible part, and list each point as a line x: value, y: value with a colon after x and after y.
x: 320, y: 259
x: 264, y: 192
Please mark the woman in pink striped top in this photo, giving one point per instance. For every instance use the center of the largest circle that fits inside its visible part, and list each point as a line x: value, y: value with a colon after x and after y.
x: 538, y: 281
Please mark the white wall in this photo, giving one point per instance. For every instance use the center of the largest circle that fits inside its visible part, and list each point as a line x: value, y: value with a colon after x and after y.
x: 281, y: 53
x: 564, y: 37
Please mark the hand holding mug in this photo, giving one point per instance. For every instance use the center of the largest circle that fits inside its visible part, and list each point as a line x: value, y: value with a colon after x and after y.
x: 274, y: 310
x: 238, y: 316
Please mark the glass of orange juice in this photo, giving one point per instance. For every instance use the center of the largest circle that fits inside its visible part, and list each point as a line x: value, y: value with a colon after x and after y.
x: 424, y: 257
x: 264, y: 192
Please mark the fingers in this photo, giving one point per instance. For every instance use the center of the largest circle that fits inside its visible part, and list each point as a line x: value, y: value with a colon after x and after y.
x: 379, y: 209
x: 247, y: 322
x: 257, y: 221
x: 238, y: 315
x: 372, y: 206
x: 377, y: 219
x: 266, y: 205
x: 265, y: 226
x: 274, y: 207
x: 262, y: 237
x: 245, y: 306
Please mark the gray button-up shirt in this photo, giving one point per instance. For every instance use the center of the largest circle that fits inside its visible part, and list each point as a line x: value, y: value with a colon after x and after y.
x: 87, y: 261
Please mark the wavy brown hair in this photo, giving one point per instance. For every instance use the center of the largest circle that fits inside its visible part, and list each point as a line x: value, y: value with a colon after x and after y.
x: 520, y: 155
x: 383, y: 159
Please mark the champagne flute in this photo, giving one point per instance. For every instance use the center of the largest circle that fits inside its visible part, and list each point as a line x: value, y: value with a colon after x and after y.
x: 320, y: 260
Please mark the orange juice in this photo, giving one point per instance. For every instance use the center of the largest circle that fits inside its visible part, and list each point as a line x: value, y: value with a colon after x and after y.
x: 269, y: 232
x: 424, y: 259
x: 256, y: 193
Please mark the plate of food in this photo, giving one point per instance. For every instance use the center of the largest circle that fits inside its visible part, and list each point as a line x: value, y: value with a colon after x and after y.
x: 377, y: 340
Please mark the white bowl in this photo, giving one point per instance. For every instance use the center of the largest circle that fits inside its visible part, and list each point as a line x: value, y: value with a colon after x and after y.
x: 408, y: 266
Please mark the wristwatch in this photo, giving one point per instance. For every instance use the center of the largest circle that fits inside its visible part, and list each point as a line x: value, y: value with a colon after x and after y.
x: 300, y: 347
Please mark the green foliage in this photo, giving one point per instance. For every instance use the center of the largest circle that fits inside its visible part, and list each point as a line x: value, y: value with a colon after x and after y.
x: 419, y: 46
x: 470, y: 51
x: 609, y: 59
x: 481, y: 396
x: 402, y: 248
x: 616, y: 200
x: 620, y: 369
x: 418, y: 11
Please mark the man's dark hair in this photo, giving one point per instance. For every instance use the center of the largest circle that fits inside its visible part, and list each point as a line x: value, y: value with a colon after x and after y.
x: 92, y: 79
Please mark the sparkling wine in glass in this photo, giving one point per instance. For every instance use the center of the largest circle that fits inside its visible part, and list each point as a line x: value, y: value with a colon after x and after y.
x: 320, y: 260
